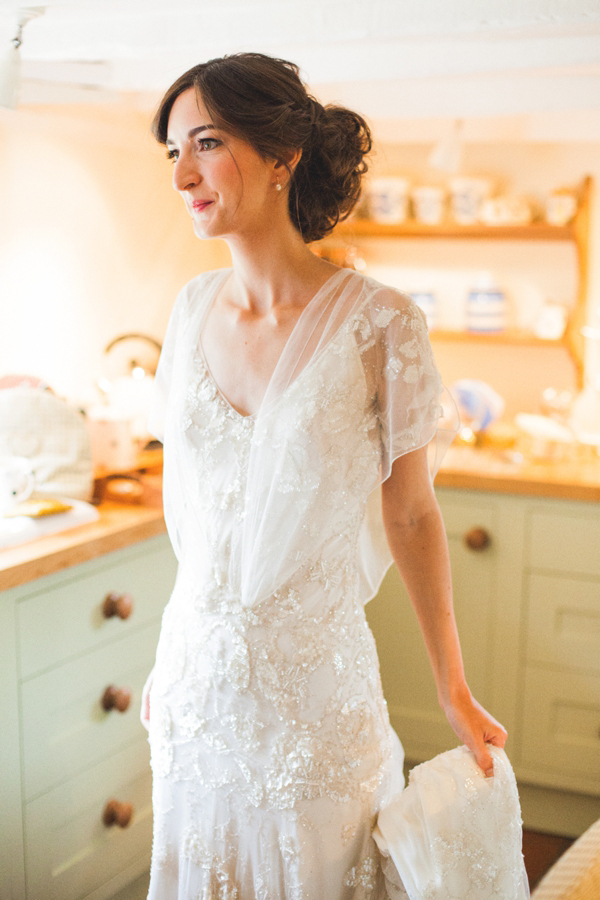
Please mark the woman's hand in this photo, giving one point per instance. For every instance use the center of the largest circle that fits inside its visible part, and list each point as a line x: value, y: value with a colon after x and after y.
x: 145, y: 708
x: 475, y: 727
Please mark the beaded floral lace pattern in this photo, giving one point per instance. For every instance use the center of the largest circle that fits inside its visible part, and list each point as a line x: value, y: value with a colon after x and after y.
x: 277, y: 708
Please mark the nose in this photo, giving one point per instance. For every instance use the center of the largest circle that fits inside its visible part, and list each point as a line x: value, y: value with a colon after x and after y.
x: 185, y: 175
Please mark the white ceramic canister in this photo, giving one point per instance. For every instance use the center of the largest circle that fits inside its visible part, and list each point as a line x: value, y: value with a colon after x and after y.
x: 428, y: 204
x: 467, y: 198
x: 387, y: 200
x: 486, y: 306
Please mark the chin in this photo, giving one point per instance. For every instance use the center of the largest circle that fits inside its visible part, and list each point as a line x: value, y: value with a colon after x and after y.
x: 205, y: 231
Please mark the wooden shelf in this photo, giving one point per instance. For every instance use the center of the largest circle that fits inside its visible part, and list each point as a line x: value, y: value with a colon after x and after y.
x: 536, y: 231
x: 509, y: 336
x: 576, y: 232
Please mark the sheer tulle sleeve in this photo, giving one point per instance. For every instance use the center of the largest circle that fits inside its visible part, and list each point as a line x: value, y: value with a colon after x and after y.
x: 164, y: 373
x: 409, y: 386
x: 408, y: 392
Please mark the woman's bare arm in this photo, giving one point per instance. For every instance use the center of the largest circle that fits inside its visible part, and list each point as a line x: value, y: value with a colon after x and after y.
x: 417, y: 539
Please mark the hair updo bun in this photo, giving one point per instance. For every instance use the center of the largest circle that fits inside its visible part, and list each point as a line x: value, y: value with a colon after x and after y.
x: 263, y: 101
x: 327, y: 180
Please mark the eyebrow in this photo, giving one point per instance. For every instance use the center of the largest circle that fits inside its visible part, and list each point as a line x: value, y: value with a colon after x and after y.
x: 193, y: 132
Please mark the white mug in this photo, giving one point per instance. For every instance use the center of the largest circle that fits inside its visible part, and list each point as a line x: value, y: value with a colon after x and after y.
x: 17, y: 482
x: 428, y: 202
x: 468, y: 195
x: 388, y: 199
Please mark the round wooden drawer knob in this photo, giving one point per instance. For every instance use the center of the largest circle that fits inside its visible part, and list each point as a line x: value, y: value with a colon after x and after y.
x: 120, y: 605
x: 116, y: 813
x: 477, y: 539
x: 116, y: 698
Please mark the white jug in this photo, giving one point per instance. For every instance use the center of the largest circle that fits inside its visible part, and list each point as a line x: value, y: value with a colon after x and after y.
x: 17, y: 482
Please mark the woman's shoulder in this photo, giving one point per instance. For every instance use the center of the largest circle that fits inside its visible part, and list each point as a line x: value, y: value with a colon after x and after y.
x: 386, y: 304
x: 200, y: 287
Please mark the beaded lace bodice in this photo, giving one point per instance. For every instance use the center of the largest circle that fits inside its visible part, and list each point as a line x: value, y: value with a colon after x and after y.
x: 304, y: 656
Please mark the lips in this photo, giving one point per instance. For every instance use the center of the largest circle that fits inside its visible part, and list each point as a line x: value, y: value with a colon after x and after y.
x: 200, y: 205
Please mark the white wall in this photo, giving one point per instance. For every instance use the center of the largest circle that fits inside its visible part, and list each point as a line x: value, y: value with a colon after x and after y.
x: 94, y: 242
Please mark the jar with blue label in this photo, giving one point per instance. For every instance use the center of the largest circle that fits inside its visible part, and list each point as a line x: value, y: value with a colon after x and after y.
x: 486, y: 306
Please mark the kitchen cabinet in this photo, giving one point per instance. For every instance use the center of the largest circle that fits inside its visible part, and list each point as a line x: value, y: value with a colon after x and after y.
x: 355, y: 231
x: 526, y: 578
x: 75, y: 649
x: 560, y: 715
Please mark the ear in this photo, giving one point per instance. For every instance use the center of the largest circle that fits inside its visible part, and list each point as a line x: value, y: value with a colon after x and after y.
x: 286, y: 164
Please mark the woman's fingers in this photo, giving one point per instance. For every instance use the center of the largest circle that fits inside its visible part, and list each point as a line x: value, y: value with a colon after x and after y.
x: 498, y: 738
x: 476, y: 728
x: 476, y: 741
x: 484, y: 760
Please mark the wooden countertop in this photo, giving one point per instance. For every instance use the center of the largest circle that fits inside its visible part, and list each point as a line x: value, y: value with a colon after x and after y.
x: 493, y: 470
x: 119, y: 526
x: 464, y: 467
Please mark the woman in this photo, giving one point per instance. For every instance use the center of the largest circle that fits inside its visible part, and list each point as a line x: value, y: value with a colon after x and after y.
x: 289, y: 389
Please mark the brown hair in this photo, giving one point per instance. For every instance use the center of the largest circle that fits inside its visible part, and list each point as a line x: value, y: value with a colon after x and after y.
x: 262, y: 100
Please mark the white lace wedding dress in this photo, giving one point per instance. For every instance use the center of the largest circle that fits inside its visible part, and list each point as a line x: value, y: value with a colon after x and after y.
x: 276, y: 773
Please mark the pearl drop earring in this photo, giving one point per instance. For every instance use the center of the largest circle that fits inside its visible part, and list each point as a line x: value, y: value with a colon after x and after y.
x: 277, y: 186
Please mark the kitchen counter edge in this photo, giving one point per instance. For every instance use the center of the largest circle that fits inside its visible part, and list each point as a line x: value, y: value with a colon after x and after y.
x: 119, y: 526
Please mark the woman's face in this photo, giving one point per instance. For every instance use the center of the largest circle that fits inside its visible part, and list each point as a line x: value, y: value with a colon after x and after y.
x: 228, y: 189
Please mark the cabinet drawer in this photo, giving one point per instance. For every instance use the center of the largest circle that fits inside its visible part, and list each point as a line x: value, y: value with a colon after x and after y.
x: 564, y: 622
x: 461, y: 517
x: 568, y: 542
x: 69, y: 850
x: 65, y: 728
x: 561, y: 728
x: 65, y: 619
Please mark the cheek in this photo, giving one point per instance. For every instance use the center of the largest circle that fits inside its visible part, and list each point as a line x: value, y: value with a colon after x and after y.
x: 227, y: 176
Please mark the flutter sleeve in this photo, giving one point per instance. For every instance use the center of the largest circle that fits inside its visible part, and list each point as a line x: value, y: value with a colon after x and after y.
x: 408, y: 394
x: 408, y: 385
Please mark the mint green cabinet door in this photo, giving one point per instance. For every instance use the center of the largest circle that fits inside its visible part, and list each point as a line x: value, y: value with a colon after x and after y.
x: 408, y: 684
x: 563, y: 622
x: 65, y: 727
x: 69, y: 851
x: 62, y: 616
x: 73, y: 756
x: 561, y: 729
x: 12, y: 871
x: 565, y: 538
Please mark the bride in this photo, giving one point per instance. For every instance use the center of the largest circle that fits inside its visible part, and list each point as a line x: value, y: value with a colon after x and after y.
x: 296, y: 402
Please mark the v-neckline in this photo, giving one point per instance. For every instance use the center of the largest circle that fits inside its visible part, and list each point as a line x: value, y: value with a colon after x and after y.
x: 200, y: 349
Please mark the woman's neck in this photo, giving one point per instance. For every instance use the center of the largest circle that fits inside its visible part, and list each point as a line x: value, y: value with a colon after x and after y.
x: 275, y: 269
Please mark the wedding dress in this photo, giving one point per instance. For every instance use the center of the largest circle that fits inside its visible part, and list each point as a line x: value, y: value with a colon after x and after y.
x: 276, y: 774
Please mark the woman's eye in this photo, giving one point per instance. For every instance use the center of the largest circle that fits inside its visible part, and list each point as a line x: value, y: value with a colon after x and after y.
x: 202, y: 145
x: 208, y: 144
